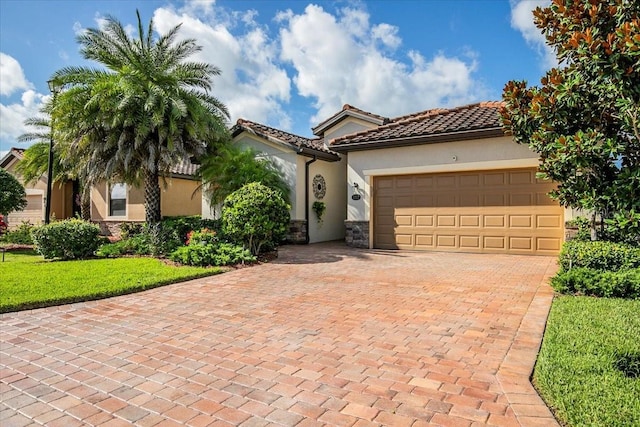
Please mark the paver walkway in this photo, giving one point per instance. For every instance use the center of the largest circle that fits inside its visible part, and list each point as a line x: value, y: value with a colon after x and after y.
x: 325, y: 335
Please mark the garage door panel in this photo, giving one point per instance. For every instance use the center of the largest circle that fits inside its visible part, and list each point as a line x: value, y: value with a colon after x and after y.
x: 520, y: 221
x: 404, y: 239
x: 446, y: 241
x: 495, y: 199
x: 404, y: 220
x: 470, y: 180
x: 548, y: 221
x: 506, y: 211
x: 446, y: 199
x: 424, y: 220
x: 521, y: 177
x: 494, y: 179
x: 494, y: 242
x: 521, y: 199
x: 446, y: 181
x: 521, y: 243
x: 424, y: 241
x: 548, y: 244
x: 469, y: 221
x: 469, y: 199
x: 492, y: 221
x: 469, y: 242
x: 446, y: 221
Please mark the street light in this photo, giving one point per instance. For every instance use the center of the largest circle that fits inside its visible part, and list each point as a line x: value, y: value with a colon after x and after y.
x: 54, y: 88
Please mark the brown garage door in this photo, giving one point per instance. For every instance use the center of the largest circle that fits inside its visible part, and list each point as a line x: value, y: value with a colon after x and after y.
x: 32, y: 213
x: 501, y: 211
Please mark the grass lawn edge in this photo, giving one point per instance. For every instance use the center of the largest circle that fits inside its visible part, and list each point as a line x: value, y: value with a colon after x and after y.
x: 11, y: 308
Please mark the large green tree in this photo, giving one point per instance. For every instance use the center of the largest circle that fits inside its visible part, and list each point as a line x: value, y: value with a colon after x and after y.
x: 12, y: 194
x: 147, y: 109
x: 584, y: 118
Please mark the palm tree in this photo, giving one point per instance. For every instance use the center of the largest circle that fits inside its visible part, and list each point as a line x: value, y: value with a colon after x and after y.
x: 147, y: 110
x: 231, y: 167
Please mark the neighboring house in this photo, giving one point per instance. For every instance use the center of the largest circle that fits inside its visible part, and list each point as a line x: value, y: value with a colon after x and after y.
x: 441, y: 179
x: 62, y: 195
x: 115, y: 203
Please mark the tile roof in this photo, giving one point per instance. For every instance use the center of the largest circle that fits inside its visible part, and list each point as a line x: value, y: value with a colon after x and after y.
x: 457, y: 123
x: 15, y: 152
x: 185, y: 167
x: 349, y: 110
x: 273, y: 134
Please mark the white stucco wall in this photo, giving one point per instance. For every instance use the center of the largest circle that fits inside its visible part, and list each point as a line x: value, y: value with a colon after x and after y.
x: 481, y: 154
x: 283, y: 157
x: 335, y: 200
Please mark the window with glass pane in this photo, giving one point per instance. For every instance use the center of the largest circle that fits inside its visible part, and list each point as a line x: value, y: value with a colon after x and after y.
x: 118, y: 200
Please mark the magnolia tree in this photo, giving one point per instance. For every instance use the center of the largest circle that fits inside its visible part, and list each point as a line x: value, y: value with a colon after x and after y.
x: 584, y: 118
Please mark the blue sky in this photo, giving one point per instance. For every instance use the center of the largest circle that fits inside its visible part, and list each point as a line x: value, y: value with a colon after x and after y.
x: 291, y: 64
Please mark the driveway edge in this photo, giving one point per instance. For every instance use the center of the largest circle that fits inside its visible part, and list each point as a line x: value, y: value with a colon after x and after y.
x: 517, y: 367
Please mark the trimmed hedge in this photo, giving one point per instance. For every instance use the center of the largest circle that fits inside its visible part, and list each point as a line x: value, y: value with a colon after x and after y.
x: 217, y: 254
x: 591, y: 282
x: 599, y: 255
x: 69, y: 239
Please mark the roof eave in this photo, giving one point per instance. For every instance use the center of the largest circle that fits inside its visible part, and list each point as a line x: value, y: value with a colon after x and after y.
x: 322, y: 155
x: 421, y: 139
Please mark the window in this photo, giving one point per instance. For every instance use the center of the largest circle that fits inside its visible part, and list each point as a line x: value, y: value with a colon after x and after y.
x: 118, y: 200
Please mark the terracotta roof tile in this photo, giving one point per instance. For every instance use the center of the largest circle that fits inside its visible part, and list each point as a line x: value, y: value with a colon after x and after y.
x: 469, y: 118
x: 185, y: 167
x: 268, y: 132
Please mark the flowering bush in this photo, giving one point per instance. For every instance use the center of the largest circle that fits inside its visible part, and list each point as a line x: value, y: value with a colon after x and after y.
x: 3, y: 225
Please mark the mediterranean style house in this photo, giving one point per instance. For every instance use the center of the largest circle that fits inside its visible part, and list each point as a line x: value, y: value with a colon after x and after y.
x: 440, y: 179
x: 111, y: 203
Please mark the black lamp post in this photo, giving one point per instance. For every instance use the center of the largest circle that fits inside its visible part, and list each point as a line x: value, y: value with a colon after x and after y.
x: 47, y: 209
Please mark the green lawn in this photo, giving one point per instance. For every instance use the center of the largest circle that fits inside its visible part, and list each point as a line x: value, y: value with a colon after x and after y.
x: 576, y: 370
x: 28, y: 281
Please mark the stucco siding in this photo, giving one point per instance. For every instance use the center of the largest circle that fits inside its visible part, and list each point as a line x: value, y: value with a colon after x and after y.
x: 286, y: 160
x: 347, y: 126
x: 175, y: 200
x: 332, y: 225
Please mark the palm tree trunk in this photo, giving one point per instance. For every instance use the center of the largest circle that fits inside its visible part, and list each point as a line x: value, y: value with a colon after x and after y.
x: 152, y: 197
x: 85, y: 201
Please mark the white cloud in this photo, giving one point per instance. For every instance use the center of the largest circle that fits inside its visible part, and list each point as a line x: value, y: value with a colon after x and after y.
x: 252, y: 84
x: 12, y: 116
x: 522, y: 20
x: 12, y: 77
x: 337, y: 61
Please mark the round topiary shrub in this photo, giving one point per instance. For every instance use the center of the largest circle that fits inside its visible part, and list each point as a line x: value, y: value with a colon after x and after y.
x: 69, y: 239
x: 255, y: 216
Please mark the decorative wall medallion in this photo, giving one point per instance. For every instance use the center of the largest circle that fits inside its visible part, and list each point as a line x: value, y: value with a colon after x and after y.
x: 319, y: 187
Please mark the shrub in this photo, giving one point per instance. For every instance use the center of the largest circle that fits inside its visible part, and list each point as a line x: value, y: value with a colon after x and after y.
x: 255, y: 215
x: 599, y: 255
x: 202, y: 237
x: 21, y: 235
x: 131, y: 229
x: 136, y: 245
x: 587, y: 281
x: 69, y: 239
x: 3, y: 226
x: 217, y: 254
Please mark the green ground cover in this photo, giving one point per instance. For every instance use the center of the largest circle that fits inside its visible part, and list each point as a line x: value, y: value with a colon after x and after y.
x: 28, y: 281
x: 578, y: 370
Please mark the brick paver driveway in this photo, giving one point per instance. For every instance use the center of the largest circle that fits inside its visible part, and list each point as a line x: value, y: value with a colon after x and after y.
x: 323, y: 335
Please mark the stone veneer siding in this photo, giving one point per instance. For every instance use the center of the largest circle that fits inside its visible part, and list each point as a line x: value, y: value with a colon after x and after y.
x: 297, y: 231
x: 357, y: 234
x: 112, y: 228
